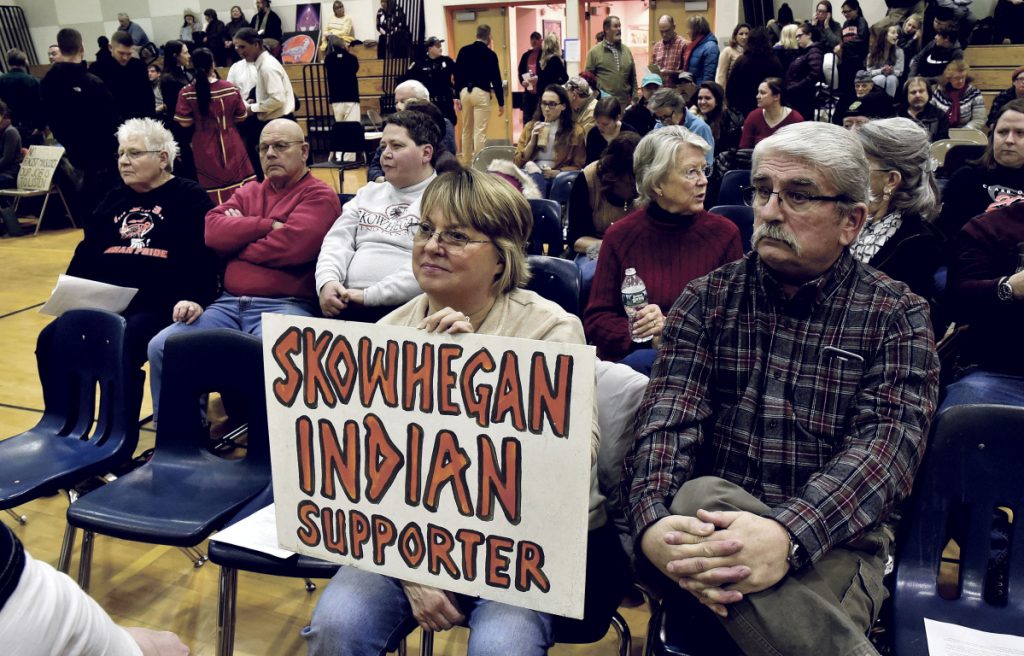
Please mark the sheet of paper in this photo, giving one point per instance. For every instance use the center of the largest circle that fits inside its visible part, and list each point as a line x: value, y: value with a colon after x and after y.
x: 257, y: 532
x: 72, y: 293
x: 946, y: 639
x: 571, y: 50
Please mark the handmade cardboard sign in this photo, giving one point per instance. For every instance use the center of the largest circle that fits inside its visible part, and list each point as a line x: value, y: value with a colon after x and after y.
x: 457, y: 461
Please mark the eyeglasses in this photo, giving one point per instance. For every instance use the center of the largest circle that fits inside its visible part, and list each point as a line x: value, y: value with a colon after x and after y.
x: 453, y: 240
x: 279, y: 146
x: 134, y: 153
x: 664, y: 116
x: 797, y: 201
x: 694, y: 174
x: 546, y: 103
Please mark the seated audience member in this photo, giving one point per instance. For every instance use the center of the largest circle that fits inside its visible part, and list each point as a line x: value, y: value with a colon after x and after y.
x: 215, y: 37
x: 669, y: 108
x: 10, y: 149
x: 757, y: 63
x: 468, y: 256
x: 786, y: 417
x: 583, y: 100
x: 639, y: 113
x: 153, y: 72
x: 910, y: 37
x: 998, y: 175
x: 1015, y: 91
x: 43, y: 611
x: 931, y: 62
x: 726, y: 125
x: 338, y: 25
x: 147, y: 234
x: 885, y: 61
x: 986, y: 292
x: 551, y: 142
x: 959, y: 99
x: 831, y: 31
x: 363, y: 271
x: 190, y: 27
x: 897, y: 237
x: 126, y: 24
x: 126, y: 77
x: 269, y: 233
x: 805, y: 72
x: 769, y: 116
x: 700, y: 57
x: 406, y: 93
x: 669, y: 241
x: 731, y: 53
x: 870, y: 100
x: 601, y: 195
x: 21, y: 92
x: 607, y: 126
x: 915, y: 105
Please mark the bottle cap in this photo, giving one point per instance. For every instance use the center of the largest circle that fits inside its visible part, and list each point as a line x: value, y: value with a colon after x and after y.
x: 630, y: 271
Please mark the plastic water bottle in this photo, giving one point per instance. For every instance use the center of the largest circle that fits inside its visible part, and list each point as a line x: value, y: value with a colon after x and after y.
x: 634, y: 298
x: 1020, y: 257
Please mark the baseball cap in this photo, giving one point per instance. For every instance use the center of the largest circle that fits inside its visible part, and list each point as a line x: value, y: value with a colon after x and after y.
x: 432, y: 41
x: 685, y: 77
x: 651, y: 78
x: 863, y: 76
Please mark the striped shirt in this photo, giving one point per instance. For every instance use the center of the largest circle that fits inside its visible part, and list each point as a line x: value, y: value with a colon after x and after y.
x: 669, y: 56
x: 818, y: 405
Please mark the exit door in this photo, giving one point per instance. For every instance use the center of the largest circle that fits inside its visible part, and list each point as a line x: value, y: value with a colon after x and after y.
x: 499, y: 128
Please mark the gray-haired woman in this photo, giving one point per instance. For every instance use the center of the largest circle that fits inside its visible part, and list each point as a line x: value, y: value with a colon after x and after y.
x: 898, y: 238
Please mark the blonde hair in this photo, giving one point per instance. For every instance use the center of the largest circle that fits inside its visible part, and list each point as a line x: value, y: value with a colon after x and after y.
x: 788, y: 37
x: 551, y: 48
x: 482, y: 201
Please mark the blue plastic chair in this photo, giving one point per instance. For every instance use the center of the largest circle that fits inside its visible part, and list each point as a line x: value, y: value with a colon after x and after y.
x: 972, y: 466
x: 561, y: 187
x: 547, y: 228
x: 730, y: 193
x: 742, y: 216
x: 557, y: 280
x: 184, y: 492
x: 71, y: 444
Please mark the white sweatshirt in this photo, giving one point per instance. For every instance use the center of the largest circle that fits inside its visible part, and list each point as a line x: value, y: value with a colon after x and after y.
x: 370, y: 246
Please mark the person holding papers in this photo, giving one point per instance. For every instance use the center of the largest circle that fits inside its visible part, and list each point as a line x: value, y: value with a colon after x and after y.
x: 468, y: 257
x: 148, y: 234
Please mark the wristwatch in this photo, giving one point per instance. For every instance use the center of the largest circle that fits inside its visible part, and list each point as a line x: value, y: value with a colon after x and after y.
x: 1004, y: 290
x: 797, y: 557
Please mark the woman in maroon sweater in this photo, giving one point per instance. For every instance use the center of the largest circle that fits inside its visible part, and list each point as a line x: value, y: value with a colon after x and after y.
x: 670, y: 241
x: 769, y: 116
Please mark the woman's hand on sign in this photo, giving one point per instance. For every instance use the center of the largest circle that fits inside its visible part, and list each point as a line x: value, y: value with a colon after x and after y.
x: 435, y: 610
x: 448, y: 321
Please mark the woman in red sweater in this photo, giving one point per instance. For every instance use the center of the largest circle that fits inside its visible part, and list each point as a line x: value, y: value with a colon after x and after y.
x: 670, y: 241
x: 770, y: 114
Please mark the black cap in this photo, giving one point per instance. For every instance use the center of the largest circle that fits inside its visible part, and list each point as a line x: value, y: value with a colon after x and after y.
x: 432, y: 41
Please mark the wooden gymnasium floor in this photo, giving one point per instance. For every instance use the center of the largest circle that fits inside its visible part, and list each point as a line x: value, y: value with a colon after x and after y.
x: 147, y: 585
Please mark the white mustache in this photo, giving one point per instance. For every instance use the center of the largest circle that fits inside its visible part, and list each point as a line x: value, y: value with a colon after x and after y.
x: 776, y: 232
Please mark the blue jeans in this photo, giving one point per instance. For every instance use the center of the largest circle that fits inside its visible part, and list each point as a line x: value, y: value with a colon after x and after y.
x: 641, y: 360
x: 228, y: 311
x: 984, y: 387
x: 367, y: 614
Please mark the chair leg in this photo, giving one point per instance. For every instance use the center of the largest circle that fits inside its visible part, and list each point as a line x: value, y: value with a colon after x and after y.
x: 426, y: 643
x: 195, y: 555
x: 226, y: 614
x: 42, y: 212
x: 21, y: 519
x: 622, y: 630
x: 85, y: 560
x: 64, y: 563
x: 401, y: 647
x: 310, y: 586
x: 67, y: 208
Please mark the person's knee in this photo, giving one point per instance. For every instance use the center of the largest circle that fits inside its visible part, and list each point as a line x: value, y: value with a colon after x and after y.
x: 509, y: 625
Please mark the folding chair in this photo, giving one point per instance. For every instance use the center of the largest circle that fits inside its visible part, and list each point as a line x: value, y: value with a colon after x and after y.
x: 546, y: 237
x: 36, y: 179
x: 561, y: 187
x: 557, y: 280
x: 488, y: 154
x: 731, y: 191
x: 969, y: 134
x: 742, y: 216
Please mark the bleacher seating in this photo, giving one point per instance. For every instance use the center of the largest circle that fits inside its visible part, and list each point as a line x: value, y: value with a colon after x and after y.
x: 991, y: 67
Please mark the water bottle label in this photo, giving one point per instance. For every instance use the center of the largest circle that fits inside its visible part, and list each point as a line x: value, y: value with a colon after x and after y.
x: 633, y: 299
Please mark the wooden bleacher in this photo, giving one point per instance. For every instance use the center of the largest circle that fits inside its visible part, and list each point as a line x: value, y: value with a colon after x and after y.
x: 991, y: 67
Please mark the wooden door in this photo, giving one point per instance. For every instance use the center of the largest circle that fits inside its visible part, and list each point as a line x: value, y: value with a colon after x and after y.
x: 499, y: 128
x: 677, y: 10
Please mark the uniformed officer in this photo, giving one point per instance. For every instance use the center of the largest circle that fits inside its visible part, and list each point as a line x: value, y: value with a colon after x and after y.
x: 436, y: 73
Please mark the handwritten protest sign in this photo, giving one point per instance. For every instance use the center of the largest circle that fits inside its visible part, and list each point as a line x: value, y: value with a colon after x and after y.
x: 37, y: 168
x: 461, y: 462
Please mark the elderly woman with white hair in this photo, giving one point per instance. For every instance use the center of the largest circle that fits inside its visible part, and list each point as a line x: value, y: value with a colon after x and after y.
x: 669, y: 241
x: 149, y: 234
x: 898, y: 238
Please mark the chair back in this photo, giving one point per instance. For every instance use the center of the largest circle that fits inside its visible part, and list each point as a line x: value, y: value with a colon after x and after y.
x: 547, y: 228
x: 375, y: 119
x: 557, y: 280
x: 344, y: 198
x: 38, y: 167
x: 488, y: 154
x: 742, y: 216
x: 969, y: 134
x: 348, y: 137
x: 731, y: 191
x: 959, y: 155
x: 971, y: 468
x: 561, y: 187
x: 940, y: 148
x: 87, y: 358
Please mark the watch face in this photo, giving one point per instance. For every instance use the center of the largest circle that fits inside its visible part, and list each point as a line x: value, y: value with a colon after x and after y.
x: 1005, y: 291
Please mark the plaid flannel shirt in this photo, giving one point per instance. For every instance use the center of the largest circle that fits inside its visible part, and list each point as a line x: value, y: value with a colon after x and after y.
x: 669, y: 57
x: 818, y: 405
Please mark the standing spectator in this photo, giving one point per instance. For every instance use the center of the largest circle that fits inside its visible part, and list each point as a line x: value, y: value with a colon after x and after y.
x: 583, y: 100
x: 153, y: 71
x: 437, y: 73
x: 756, y: 64
x: 1008, y: 19
x: 551, y: 69
x: 477, y: 76
x: 215, y: 37
x: 769, y: 116
x: 1015, y: 91
x: 639, y: 114
x: 267, y: 25
x: 10, y: 149
x: 612, y: 63
x: 190, y: 27
x: 339, y: 25
x: 176, y: 76
x: 731, y: 54
x: 607, y: 126
x: 831, y: 31
x: 236, y: 23
x: 854, y: 48
x: 915, y: 105
x: 274, y: 95
x: 885, y: 61
x: 139, y: 36
x: 700, y: 58
x: 341, y: 67
x: 53, y: 53
x: 804, y: 72
x: 529, y: 66
x: 22, y: 94
x: 669, y: 107
x: 787, y: 48
x: 212, y: 107
x: 126, y: 78
x: 959, y: 99
x: 785, y: 18
x: 390, y: 22
x: 668, y: 52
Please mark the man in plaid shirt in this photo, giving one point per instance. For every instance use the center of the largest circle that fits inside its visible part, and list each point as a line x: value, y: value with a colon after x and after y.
x: 787, y: 414
x: 668, y: 53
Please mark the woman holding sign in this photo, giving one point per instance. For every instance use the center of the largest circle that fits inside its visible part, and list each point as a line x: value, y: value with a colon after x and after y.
x: 469, y: 259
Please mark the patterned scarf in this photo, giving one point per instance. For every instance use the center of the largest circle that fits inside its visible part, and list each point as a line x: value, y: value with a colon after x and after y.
x: 874, y: 235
